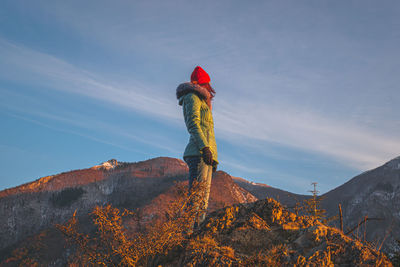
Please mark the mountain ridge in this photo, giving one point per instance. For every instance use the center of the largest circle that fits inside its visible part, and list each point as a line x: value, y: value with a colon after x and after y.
x: 50, y: 182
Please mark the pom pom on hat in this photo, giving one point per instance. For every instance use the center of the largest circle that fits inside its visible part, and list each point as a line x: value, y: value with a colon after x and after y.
x: 199, y: 76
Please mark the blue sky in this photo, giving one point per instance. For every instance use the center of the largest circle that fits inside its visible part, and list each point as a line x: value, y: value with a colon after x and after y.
x: 307, y: 91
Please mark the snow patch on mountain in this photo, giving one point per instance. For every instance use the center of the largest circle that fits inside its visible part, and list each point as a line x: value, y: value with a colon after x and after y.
x: 108, y: 165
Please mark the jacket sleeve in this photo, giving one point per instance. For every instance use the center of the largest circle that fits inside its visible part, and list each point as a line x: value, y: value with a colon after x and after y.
x: 191, y: 113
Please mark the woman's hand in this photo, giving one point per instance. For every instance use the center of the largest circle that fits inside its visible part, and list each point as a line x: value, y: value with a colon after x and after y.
x: 207, y: 155
x: 214, y: 166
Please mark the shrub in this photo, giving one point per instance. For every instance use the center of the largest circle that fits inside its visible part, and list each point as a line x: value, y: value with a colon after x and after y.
x: 110, y: 245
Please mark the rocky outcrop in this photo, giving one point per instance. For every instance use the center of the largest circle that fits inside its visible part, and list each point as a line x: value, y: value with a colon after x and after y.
x: 264, y: 233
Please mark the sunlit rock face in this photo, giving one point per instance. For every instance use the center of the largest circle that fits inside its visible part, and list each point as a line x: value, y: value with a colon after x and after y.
x: 33, y: 207
x: 265, y: 233
x: 376, y: 194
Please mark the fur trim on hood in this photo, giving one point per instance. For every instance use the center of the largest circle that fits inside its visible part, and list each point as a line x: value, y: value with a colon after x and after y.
x: 189, y: 87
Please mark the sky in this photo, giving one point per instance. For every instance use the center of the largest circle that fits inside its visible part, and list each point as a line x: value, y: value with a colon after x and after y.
x: 307, y: 91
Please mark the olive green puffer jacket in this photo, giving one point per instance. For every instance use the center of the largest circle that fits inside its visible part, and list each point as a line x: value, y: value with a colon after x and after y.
x: 198, y: 119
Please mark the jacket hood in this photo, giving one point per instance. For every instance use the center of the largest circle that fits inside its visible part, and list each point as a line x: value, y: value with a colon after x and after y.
x: 188, y: 87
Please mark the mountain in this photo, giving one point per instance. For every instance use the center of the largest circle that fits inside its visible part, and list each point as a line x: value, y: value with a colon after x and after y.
x: 35, y: 207
x: 376, y: 194
x: 30, y: 211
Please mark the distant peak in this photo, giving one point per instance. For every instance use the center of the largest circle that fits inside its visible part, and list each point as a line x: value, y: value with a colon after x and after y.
x: 107, y: 165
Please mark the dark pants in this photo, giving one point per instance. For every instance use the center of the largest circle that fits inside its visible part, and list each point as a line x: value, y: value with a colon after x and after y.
x: 201, y: 173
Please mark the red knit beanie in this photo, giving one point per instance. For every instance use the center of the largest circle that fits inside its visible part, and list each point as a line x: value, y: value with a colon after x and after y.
x: 199, y: 76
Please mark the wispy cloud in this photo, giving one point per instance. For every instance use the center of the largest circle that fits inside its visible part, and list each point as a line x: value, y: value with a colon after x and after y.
x: 284, y: 124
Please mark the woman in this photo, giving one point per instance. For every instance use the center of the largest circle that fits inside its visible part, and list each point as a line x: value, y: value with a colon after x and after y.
x: 201, y: 152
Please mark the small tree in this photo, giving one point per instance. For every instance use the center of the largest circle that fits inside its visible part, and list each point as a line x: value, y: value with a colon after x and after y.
x: 313, y: 207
